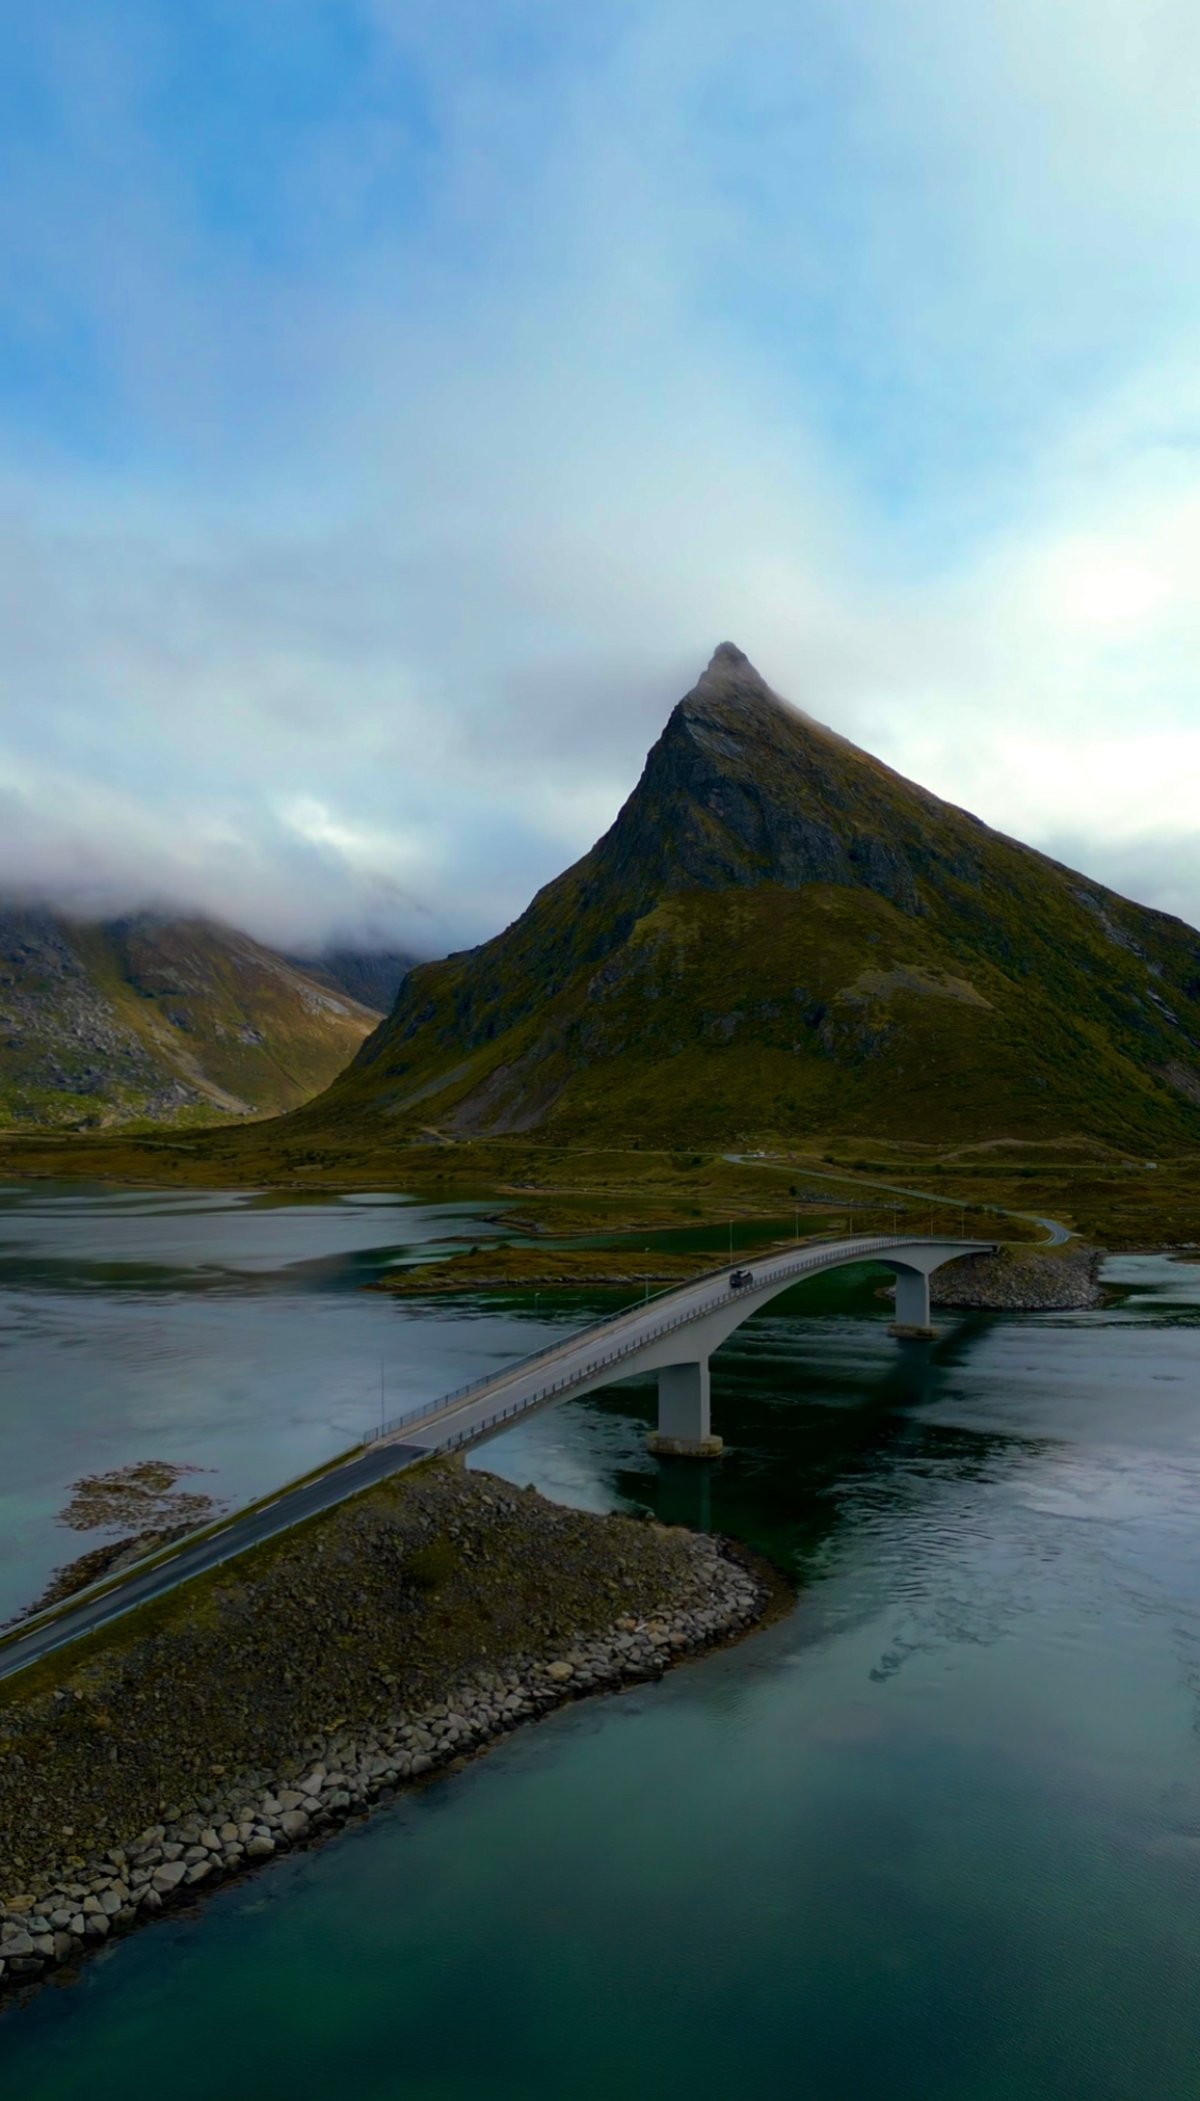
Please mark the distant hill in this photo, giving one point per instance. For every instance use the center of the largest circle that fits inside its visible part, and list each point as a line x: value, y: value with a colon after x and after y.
x: 161, y: 1020
x: 372, y: 976
x: 780, y: 936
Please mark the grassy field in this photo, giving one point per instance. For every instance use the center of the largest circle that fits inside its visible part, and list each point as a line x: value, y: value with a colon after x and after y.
x: 1115, y: 1198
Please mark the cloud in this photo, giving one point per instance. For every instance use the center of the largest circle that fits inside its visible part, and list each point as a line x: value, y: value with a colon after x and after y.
x: 383, y: 459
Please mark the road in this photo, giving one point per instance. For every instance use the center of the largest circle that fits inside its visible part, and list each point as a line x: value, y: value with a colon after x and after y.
x: 1056, y: 1234
x: 248, y: 1530
x: 593, y: 1356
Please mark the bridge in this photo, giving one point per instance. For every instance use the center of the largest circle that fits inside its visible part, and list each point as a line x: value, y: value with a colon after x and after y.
x: 673, y: 1334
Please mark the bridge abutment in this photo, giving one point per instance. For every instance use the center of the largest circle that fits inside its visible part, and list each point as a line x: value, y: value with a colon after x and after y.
x: 684, y: 1428
x: 912, y: 1306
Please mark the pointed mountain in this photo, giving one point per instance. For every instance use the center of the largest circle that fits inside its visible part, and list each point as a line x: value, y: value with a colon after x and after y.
x: 780, y: 936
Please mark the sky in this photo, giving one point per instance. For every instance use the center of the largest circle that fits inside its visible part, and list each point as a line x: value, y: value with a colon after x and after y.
x: 399, y: 401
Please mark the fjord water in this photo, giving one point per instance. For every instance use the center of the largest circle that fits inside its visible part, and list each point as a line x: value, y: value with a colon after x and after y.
x: 934, y: 1834
x: 225, y: 1331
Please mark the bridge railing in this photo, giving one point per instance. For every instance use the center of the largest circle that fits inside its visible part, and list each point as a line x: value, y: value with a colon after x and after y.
x: 807, y: 1262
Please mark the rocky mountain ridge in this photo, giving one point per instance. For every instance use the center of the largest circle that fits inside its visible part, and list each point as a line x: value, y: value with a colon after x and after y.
x: 151, y: 1019
x: 777, y: 935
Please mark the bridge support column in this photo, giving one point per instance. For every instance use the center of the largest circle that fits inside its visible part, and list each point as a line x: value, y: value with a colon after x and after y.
x: 912, y: 1306
x: 683, y: 1414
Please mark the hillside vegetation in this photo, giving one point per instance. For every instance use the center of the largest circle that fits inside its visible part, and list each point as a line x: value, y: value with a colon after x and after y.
x: 156, y: 1020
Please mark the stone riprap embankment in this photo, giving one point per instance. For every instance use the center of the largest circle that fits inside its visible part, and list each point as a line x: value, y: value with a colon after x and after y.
x: 376, y: 1646
x: 1028, y: 1282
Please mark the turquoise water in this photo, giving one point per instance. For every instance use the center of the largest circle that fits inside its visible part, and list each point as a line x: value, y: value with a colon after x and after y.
x: 933, y: 1837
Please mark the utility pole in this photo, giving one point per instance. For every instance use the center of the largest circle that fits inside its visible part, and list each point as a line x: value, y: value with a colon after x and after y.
x: 381, y: 1393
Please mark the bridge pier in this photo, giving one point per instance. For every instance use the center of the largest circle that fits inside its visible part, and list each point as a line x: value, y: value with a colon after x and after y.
x: 912, y: 1320
x: 684, y: 1430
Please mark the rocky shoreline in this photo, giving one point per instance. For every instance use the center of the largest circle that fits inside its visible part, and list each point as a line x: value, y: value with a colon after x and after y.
x: 70, y: 1907
x: 1013, y: 1282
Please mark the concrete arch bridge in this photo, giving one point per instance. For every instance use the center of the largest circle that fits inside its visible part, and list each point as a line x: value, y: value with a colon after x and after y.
x: 675, y: 1334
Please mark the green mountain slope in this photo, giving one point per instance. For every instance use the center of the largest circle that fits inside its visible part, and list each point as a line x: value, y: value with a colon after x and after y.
x: 780, y: 936
x: 150, y: 1019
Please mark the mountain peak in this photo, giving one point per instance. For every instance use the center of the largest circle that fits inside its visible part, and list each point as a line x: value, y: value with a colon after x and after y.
x: 729, y: 653
x: 730, y: 676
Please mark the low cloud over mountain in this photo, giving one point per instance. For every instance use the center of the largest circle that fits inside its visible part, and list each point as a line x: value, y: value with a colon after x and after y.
x: 363, y: 489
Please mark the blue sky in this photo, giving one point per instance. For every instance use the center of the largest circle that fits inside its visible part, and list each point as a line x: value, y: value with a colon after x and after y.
x: 398, y: 401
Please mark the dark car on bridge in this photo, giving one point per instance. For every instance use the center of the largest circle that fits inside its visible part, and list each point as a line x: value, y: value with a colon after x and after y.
x: 741, y: 1277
